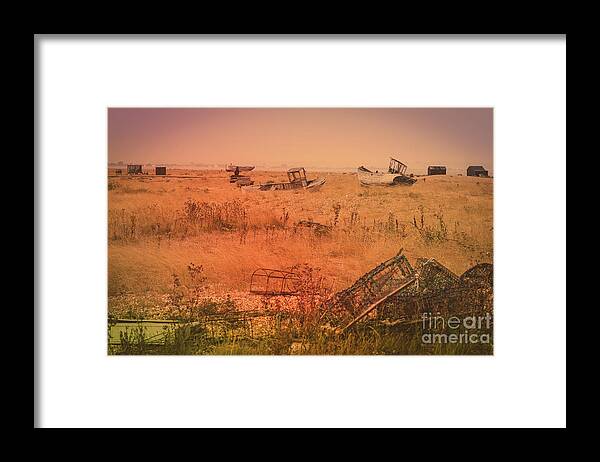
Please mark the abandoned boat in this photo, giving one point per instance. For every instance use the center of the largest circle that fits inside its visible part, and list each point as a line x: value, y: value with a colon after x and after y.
x: 296, y: 180
x: 394, y: 176
x: 239, y: 168
x: 241, y: 180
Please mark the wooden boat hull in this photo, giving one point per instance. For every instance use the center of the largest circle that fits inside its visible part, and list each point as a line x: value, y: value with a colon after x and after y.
x: 315, y: 185
x: 238, y: 178
x: 246, y: 181
x: 368, y: 178
x: 311, y: 185
x: 241, y: 168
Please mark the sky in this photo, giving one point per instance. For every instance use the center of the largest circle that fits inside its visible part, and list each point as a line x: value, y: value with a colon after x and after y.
x: 328, y: 138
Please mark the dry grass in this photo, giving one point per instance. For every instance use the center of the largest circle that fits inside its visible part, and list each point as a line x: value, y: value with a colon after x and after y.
x: 158, y: 226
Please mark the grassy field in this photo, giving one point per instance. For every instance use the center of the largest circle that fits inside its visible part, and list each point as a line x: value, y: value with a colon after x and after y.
x: 192, y: 243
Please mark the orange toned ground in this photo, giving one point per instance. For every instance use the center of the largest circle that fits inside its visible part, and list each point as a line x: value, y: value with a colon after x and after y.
x: 153, y: 234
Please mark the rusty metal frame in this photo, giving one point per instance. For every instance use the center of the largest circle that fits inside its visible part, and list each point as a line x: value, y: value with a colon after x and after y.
x: 273, y: 282
x: 386, y: 276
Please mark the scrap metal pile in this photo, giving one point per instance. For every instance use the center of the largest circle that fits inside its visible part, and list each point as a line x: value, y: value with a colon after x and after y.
x: 395, y: 291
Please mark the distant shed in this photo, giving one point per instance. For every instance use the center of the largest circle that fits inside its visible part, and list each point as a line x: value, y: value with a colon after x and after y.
x: 436, y: 170
x: 134, y: 169
x: 161, y: 170
x: 477, y: 170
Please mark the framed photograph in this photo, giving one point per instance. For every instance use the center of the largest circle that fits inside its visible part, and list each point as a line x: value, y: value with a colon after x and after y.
x: 267, y: 231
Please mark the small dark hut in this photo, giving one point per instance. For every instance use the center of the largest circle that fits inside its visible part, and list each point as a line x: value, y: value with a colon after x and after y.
x: 477, y: 170
x: 134, y: 169
x: 161, y: 170
x: 436, y: 170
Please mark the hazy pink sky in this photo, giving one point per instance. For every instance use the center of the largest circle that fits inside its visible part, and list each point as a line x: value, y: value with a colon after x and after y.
x: 328, y: 138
